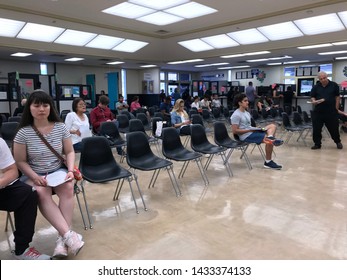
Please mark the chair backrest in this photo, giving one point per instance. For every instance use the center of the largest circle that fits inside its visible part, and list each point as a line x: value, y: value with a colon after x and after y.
x: 123, y: 121
x: 143, y: 118
x: 216, y: 112
x: 171, y: 140
x: 306, y: 117
x: 94, y: 152
x: 159, y: 114
x: 286, y: 120
x: 8, y: 131
x: 151, y: 111
x: 220, y: 133
x: 254, y: 114
x: 64, y: 112
x: 299, y: 109
x: 297, y: 118
x: 109, y: 130
x: 137, y: 146
x: 197, y: 119
x: 206, y: 114
x: 198, y: 135
x: 128, y: 114
x: 264, y: 113
x: 136, y: 125
x: 226, y: 112
x: 15, y: 119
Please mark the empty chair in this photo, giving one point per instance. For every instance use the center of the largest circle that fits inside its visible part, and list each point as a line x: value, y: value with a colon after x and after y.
x: 197, y: 119
x: 173, y: 149
x: 123, y: 123
x: 217, y: 114
x: 64, y: 112
x: 111, y: 132
x: 136, y: 125
x: 14, y: 119
x: 222, y: 138
x: 200, y: 144
x: 143, y: 118
x: 128, y: 114
x: 159, y: 115
x: 291, y: 129
x: 207, y: 117
x: 98, y: 165
x: 141, y: 157
x: 8, y: 132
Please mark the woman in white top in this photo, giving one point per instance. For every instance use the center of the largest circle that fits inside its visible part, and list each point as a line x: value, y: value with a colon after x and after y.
x: 196, y: 103
x: 77, y: 123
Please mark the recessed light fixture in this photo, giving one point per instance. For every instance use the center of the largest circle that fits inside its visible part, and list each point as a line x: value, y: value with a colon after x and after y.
x: 74, y: 59
x: 20, y: 54
x: 329, y: 53
x: 248, y: 36
x: 130, y: 46
x: 9, y: 27
x: 245, y: 54
x: 186, y: 61
x: 315, y: 46
x: 341, y: 58
x: 234, y: 67
x: 196, y: 45
x: 115, y: 62
x: 281, y: 31
x: 148, y: 66
x: 40, y: 32
x: 296, y: 62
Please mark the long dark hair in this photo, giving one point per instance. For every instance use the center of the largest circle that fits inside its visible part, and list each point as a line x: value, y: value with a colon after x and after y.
x: 38, y: 97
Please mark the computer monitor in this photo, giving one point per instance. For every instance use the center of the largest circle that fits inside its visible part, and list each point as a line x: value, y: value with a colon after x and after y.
x: 305, y: 85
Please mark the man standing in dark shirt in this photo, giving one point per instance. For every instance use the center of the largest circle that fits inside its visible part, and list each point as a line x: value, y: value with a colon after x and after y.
x: 325, y: 96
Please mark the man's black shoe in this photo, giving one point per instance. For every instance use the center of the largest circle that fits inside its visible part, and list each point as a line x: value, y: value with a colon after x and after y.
x: 315, y: 147
x: 339, y: 146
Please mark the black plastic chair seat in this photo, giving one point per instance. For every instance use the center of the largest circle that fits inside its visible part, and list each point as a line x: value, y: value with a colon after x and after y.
x: 208, y: 148
x: 104, y: 173
x: 181, y: 154
x: 148, y: 163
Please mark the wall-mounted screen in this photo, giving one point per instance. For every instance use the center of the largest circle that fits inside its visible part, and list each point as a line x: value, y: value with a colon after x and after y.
x: 305, y: 86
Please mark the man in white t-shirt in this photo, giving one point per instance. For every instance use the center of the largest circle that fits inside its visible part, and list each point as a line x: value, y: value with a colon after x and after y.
x: 20, y: 198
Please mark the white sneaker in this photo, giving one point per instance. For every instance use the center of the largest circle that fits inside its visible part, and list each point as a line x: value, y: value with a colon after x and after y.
x: 73, y: 241
x: 32, y: 254
x: 60, y: 250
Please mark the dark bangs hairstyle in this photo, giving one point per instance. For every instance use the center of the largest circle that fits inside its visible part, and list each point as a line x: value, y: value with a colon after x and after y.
x: 38, y: 97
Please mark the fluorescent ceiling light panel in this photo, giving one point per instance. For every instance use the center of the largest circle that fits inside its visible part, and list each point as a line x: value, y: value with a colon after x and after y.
x: 9, y: 27
x: 274, y: 63
x: 341, y: 58
x: 75, y: 38
x: 340, y: 43
x: 220, y: 41
x: 245, y: 54
x: 320, y: 24
x: 280, y: 31
x: 20, y: 54
x: 158, y: 4
x: 296, y: 62
x: 248, y: 36
x: 211, y: 64
x: 148, y: 66
x: 128, y: 10
x: 74, y: 59
x: 315, y: 46
x: 233, y: 55
x: 160, y: 18
x: 40, y: 32
x: 115, y: 62
x: 343, y: 17
x: 234, y: 67
x: 329, y: 53
x: 104, y: 42
x: 257, y: 60
x: 196, y: 45
x: 185, y: 61
x: 130, y: 46
x: 191, y: 10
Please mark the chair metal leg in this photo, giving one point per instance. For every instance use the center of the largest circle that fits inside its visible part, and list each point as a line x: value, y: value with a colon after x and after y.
x: 207, y: 163
x: 226, y: 163
x: 138, y: 188
x: 202, y: 171
x: 118, y: 189
x: 154, y: 178
x: 77, y: 191
x: 81, y: 190
x: 173, y: 180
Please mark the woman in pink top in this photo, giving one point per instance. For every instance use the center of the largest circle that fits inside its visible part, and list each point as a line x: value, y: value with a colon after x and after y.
x: 135, y: 104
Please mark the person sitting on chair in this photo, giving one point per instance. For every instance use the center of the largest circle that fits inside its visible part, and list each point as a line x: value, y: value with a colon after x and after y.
x: 22, y: 199
x: 179, y: 118
x: 241, y: 126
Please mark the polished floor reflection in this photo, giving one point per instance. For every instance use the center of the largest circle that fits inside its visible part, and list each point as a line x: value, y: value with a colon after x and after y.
x: 296, y: 213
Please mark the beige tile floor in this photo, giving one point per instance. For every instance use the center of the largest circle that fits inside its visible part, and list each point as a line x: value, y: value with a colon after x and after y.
x: 296, y: 213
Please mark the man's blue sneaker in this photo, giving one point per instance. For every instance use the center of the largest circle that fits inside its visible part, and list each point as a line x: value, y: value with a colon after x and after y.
x: 272, y: 165
x: 274, y: 141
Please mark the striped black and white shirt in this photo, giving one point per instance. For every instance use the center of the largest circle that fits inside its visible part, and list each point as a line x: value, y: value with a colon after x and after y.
x: 40, y: 158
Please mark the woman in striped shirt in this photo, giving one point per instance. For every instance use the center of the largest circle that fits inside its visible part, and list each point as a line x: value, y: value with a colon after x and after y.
x: 36, y: 161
